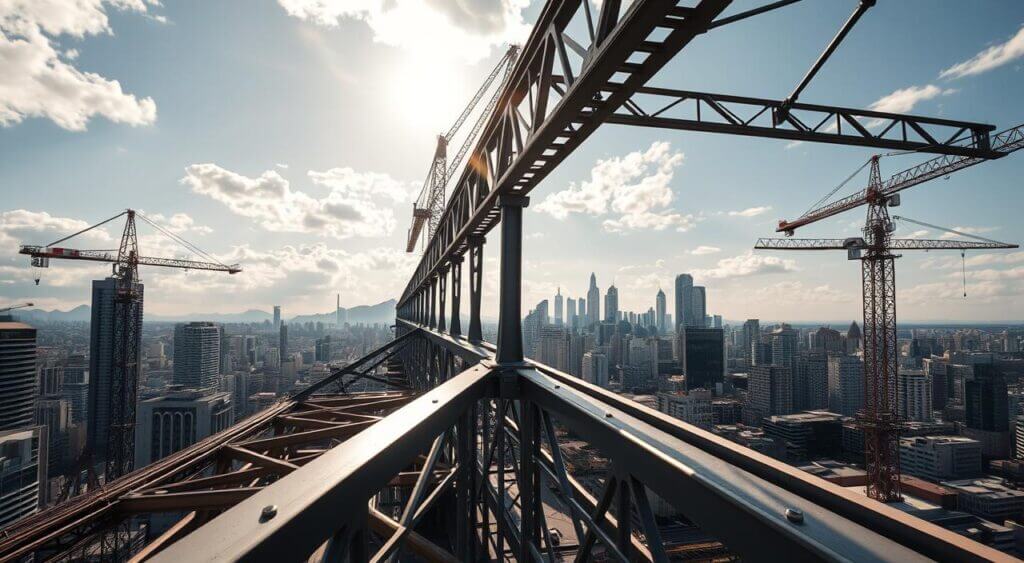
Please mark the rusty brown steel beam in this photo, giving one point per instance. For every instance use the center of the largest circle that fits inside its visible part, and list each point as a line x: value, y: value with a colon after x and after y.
x: 176, y: 531
x: 272, y: 463
x: 306, y: 437
x: 189, y: 500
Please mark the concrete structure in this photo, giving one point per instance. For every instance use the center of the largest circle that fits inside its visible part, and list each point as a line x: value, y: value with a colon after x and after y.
x: 177, y: 420
x: 806, y: 435
x: 769, y: 392
x: 196, y: 355
x: 23, y: 462
x: 593, y: 302
x: 660, y: 307
x: 703, y: 357
x: 940, y: 457
x: 914, y: 388
x: 810, y: 386
x: 595, y: 368
x: 751, y: 336
x: 845, y: 385
x: 611, y: 305
x: 693, y: 407
x: 988, y: 498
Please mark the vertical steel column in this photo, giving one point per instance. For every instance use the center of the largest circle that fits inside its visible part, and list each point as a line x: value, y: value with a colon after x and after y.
x: 442, y: 297
x: 456, y: 325
x: 529, y: 486
x: 432, y: 321
x: 510, y: 333
x: 476, y: 277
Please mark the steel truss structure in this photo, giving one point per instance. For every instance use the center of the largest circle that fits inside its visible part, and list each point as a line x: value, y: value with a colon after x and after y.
x: 472, y: 465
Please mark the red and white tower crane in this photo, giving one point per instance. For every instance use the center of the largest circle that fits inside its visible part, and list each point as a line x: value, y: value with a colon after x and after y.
x: 876, y: 251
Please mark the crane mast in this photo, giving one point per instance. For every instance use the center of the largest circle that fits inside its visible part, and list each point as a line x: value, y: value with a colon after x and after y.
x: 879, y: 419
x: 118, y: 447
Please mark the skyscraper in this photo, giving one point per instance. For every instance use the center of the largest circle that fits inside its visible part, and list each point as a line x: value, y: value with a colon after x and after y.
x: 282, y: 341
x: 845, y: 385
x: 769, y: 392
x: 277, y: 316
x: 17, y: 375
x: 595, y: 368
x: 703, y: 357
x: 784, y: 345
x: 684, y: 300
x: 558, y: 308
x: 611, y: 305
x: 751, y: 336
x: 698, y: 307
x: 985, y: 400
x: 593, y: 302
x: 175, y: 421
x: 915, y: 396
x: 103, y: 367
x: 196, y: 355
x: 571, y: 320
x: 659, y: 311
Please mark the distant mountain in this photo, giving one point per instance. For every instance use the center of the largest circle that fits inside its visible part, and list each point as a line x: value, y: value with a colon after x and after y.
x: 80, y: 313
x: 380, y: 313
x: 383, y: 312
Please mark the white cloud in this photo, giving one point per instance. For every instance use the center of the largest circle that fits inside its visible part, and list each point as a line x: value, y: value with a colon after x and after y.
x: 745, y: 265
x: 993, y: 57
x: 795, y: 292
x: 178, y: 223
x: 966, y: 230
x: 751, y: 211
x: 352, y: 207
x: 904, y: 99
x: 21, y: 226
x: 635, y: 187
x: 37, y: 79
x: 704, y: 250
x: 468, y: 27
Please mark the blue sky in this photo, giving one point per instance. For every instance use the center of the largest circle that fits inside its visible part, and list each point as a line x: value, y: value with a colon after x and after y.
x: 292, y: 136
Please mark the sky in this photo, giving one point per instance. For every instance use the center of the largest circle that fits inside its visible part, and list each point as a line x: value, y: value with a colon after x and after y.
x: 292, y: 136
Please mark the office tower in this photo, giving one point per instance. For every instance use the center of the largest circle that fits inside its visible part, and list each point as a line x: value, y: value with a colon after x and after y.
x: 571, y: 320
x: 914, y: 389
x: 240, y: 394
x: 845, y: 385
x: 574, y: 356
x: 595, y: 368
x: 769, y: 392
x: 985, y: 400
x: 659, y: 307
x: 942, y: 383
x: 784, y: 345
x: 684, y: 300
x: 558, y: 308
x: 553, y: 348
x: 54, y: 413
x: 107, y: 308
x: 716, y: 321
x: 282, y: 341
x: 698, y: 307
x: 323, y: 349
x: 76, y: 388
x: 703, y: 358
x: 17, y: 375
x: 693, y: 407
x: 196, y: 355
x: 611, y: 305
x: 177, y: 420
x: 826, y: 341
x: 277, y: 316
x: 593, y: 302
x: 751, y: 336
x: 810, y: 387
x: 853, y: 337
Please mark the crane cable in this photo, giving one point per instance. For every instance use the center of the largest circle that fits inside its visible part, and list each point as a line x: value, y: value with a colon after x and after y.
x: 829, y: 195
x: 955, y: 232
x: 86, y: 229
x: 188, y: 245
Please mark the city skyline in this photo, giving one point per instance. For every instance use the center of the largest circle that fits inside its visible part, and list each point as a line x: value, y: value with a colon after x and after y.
x: 677, y: 206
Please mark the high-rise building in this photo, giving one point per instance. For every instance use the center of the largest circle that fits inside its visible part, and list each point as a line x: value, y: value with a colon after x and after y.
x: 18, y: 390
x: 703, y: 358
x: 810, y: 387
x: 103, y: 366
x: 940, y: 457
x: 76, y: 388
x: 553, y: 348
x: 659, y: 311
x: 54, y: 414
x: 826, y: 341
x: 853, y: 337
x: 769, y: 392
x: 914, y: 389
x: 684, y: 301
x: 23, y: 463
x: 282, y: 341
x: 716, y: 321
x: 751, y: 336
x: 571, y: 319
x: 593, y: 302
x: 196, y: 355
x: 693, y: 407
x: 784, y: 347
x: 177, y: 420
x: 611, y: 305
x: 698, y: 307
x: 595, y: 368
x: 985, y: 400
x: 845, y: 385
x: 558, y: 308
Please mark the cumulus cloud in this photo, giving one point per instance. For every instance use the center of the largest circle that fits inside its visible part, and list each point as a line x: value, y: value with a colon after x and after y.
x: 746, y: 265
x: 751, y: 211
x: 704, y: 250
x: 39, y: 80
x: 905, y: 99
x: 635, y: 187
x: 21, y: 226
x: 470, y: 28
x: 993, y: 57
x: 355, y: 204
x: 178, y: 223
x: 967, y: 230
x: 789, y: 292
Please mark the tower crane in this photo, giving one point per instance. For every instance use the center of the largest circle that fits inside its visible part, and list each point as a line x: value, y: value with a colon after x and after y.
x: 13, y: 307
x: 875, y: 250
x: 119, y: 446
x: 430, y: 203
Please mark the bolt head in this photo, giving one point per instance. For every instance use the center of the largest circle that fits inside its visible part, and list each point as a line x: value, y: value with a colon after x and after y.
x: 607, y: 415
x: 268, y: 512
x: 795, y: 516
